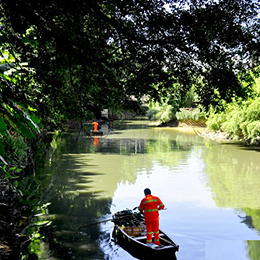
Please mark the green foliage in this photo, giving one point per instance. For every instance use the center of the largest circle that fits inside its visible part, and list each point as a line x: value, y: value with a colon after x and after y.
x: 9, y: 172
x: 257, y: 85
x: 195, y: 114
x: 16, y: 149
x: 3, y: 126
x: 215, y: 121
x: 253, y: 130
x: 17, y: 123
x: 240, y: 119
x: 254, y: 245
x: 98, y: 53
x: 21, y: 126
x: 163, y: 113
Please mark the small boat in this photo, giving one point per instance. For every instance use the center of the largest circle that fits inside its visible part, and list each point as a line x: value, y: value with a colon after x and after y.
x: 98, y: 132
x: 130, y: 233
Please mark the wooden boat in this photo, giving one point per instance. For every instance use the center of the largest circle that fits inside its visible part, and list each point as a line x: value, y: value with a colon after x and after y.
x: 130, y: 233
x: 98, y: 132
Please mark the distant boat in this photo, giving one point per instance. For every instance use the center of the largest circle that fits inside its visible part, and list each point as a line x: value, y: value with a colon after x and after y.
x: 98, y: 132
x: 130, y: 233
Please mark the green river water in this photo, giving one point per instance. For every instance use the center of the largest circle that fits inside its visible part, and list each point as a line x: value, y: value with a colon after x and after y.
x: 210, y: 189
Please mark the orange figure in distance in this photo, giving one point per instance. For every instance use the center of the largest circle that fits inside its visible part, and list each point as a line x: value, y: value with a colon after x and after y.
x: 95, y: 126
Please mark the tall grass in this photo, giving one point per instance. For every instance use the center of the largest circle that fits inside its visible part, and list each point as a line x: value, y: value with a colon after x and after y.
x: 240, y: 119
x: 191, y: 115
x: 163, y: 113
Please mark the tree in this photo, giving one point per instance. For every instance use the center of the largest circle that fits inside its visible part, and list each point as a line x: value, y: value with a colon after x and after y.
x: 90, y: 55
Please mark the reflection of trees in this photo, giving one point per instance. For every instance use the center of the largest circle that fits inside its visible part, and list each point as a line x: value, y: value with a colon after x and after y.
x: 254, y: 249
x: 233, y: 175
x: 119, y: 157
x: 63, y: 235
x: 57, y: 184
x: 74, y: 206
x: 170, y: 148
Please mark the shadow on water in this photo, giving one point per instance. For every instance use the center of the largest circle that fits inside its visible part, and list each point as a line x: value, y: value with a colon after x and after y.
x: 64, y: 239
x: 61, y: 201
x: 242, y: 146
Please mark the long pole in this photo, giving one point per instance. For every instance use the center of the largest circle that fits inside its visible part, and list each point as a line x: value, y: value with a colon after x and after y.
x: 99, y: 222
x: 95, y: 223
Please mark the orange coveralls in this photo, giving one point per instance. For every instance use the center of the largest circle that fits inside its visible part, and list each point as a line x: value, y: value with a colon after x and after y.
x: 150, y: 206
x: 95, y: 126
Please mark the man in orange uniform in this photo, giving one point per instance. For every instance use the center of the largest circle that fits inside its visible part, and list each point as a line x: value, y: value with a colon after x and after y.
x: 95, y: 126
x: 149, y: 206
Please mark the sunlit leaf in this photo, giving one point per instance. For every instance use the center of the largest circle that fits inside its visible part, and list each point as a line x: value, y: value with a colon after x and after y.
x: 32, y: 109
x: 19, y: 126
x: 28, y: 118
x: 15, y: 169
x: 41, y: 223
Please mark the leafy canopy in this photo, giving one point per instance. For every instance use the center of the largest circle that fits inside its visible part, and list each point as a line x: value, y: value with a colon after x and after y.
x: 90, y: 55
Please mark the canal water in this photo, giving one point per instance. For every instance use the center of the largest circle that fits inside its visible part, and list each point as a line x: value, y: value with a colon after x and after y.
x: 210, y: 189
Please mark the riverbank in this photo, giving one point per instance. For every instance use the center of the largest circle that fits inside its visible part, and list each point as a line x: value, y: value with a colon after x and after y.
x: 198, y: 129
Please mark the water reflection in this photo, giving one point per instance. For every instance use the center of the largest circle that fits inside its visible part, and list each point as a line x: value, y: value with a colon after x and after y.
x: 210, y: 191
x: 233, y: 249
x: 232, y: 171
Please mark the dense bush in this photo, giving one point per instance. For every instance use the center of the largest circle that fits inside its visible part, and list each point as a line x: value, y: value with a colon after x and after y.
x: 163, y: 113
x: 195, y: 114
x: 166, y: 113
x: 240, y: 119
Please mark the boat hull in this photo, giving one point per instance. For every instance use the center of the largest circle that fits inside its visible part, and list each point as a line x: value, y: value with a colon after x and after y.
x: 138, y: 248
x: 92, y: 132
